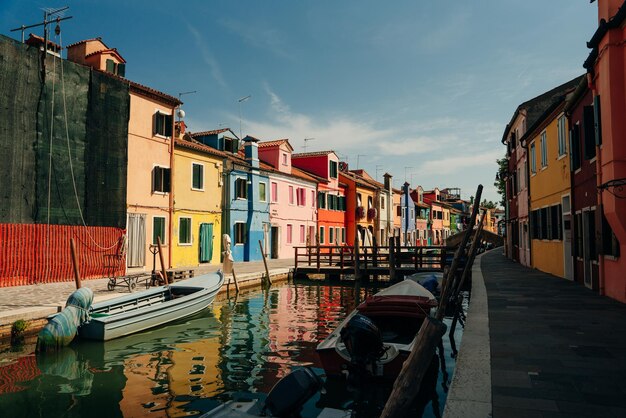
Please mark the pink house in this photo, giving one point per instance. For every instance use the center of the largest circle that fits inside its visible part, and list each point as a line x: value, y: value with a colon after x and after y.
x: 433, y: 198
x: 292, y: 194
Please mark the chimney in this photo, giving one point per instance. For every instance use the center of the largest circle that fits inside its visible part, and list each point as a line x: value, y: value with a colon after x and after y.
x: 251, y: 149
x: 388, y: 181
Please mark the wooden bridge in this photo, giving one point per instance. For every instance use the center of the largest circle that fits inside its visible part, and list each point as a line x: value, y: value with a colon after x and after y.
x: 363, y: 262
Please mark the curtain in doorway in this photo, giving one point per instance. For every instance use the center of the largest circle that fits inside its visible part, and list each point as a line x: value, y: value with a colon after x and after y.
x: 206, y: 242
x: 136, y: 240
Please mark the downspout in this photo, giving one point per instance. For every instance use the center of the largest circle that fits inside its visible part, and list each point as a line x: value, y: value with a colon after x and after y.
x: 171, y: 195
x: 599, y: 182
x: 524, y: 145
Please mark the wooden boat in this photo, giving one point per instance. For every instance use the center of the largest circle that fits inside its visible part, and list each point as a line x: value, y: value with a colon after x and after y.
x: 156, y: 306
x: 379, y: 334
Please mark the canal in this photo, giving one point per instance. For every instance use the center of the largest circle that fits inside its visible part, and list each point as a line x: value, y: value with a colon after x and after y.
x: 238, y: 349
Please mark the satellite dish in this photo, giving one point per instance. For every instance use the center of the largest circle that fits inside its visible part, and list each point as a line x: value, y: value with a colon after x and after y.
x: 181, y: 114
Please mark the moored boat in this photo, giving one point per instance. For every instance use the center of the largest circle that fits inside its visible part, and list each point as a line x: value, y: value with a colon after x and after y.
x: 156, y: 306
x: 377, y: 337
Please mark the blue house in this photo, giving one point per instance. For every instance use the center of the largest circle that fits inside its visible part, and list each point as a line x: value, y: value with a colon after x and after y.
x: 407, y: 206
x: 246, y: 215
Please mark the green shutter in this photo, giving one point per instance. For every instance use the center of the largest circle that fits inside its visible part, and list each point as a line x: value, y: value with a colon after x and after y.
x: 206, y: 242
x: 168, y: 125
x: 110, y: 66
x: 121, y: 69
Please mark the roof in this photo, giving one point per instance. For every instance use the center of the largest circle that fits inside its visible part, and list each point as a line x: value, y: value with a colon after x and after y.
x: 311, y: 154
x: 206, y: 133
x: 295, y: 172
x: 198, y: 146
x: 537, y: 106
x: 87, y: 40
x: 112, y: 51
x: 275, y: 143
x: 140, y: 88
x: 372, y: 184
x: 32, y: 38
x: 603, y: 28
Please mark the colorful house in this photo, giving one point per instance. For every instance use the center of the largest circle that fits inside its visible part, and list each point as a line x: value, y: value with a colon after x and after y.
x: 423, y: 223
x: 397, y: 209
x: 584, y: 198
x: 606, y: 71
x: 293, y: 199
x: 150, y: 190
x: 245, y: 215
x: 361, y: 211
x: 197, y: 208
x: 546, y: 142
x: 433, y: 199
x: 331, y: 197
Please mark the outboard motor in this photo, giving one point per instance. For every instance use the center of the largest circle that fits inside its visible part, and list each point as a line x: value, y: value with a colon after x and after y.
x: 291, y: 392
x: 363, y: 342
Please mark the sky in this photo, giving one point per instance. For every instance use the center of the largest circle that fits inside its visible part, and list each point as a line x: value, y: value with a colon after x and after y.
x: 422, y: 90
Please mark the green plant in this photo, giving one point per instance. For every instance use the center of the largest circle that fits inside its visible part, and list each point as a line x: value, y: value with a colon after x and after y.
x: 17, y: 330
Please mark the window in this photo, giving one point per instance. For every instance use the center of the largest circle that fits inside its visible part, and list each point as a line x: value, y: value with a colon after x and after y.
x: 574, y: 137
x: 382, y: 202
x: 197, y: 176
x: 184, y: 231
x: 158, y: 229
x: 116, y: 68
x: 370, y: 202
x: 284, y: 159
x: 333, y: 169
x: 321, y: 234
x: 591, y: 232
x: 544, y: 150
x: 301, y: 234
x: 262, y: 192
x: 241, y: 188
x: 301, y: 196
x: 597, y: 118
x: 533, y: 159
x: 231, y: 145
x: 312, y: 198
x: 321, y: 200
x: 343, y: 235
x: 291, y: 198
x: 560, y: 123
x: 289, y: 233
x: 589, y: 132
x: 240, y: 233
x: 338, y: 234
x: 160, y: 179
x: 610, y: 244
x: 578, y: 234
x: 162, y: 124
x: 331, y: 235
x: 399, y: 210
x: 274, y: 192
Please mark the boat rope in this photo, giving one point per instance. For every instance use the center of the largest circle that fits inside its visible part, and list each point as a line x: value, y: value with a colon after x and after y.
x: 69, y: 153
x: 50, y: 159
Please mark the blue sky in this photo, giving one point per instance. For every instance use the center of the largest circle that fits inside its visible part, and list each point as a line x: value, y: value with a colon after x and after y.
x: 416, y: 88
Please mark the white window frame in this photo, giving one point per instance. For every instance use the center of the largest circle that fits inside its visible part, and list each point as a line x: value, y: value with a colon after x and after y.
x: 201, y: 188
x: 543, y: 142
x: 235, y: 233
x: 264, y: 184
x: 322, y: 234
x: 160, y: 112
x: 245, y: 180
x: 289, y: 233
x: 186, y: 244
x: 562, y: 135
x: 273, y: 199
x: 533, y: 159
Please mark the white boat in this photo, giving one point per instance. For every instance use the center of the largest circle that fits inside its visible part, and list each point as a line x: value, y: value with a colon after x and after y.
x: 156, y: 306
x: 378, y: 336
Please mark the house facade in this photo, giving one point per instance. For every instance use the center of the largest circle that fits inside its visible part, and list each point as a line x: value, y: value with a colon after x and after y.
x: 330, y: 201
x: 293, y: 200
x: 360, y: 207
x: 198, y: 208
x: 407, y: 214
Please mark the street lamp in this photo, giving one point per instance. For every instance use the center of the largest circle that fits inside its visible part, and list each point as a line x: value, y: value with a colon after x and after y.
x: 243, y: 99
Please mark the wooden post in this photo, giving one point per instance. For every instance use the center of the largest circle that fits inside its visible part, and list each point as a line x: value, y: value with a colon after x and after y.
x: 365, y: 272
x: 408, y: 383
x: 470, y: 259
x: 341, y: 259
x: 267, y: 271
x: 75, y: 264
x: 392, y: 259
x: 235, y: 280
x: 318, y: 257
x: 375, y: 258
x: 295, y: 267
x: 398, y: 252
x: 163, y: 270
x: 357, y: 269
x: 443, y: 301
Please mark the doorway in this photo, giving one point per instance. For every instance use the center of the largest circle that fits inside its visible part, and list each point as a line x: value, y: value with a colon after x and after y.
x: 274, y: 242
x: 568, y: 267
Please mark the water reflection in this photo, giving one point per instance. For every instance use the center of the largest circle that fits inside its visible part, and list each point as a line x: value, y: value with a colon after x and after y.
x: 237, y: 350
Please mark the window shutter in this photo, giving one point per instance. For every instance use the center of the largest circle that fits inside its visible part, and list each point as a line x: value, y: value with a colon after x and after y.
x: 168, y: 125
x: 121, y: 69
x: 597, y: 120
x: 110, y: 66
x: 155, y: 123
x: 166, y: 180
x: 589, y: 131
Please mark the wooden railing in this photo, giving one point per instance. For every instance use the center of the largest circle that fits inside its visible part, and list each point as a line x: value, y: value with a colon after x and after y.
x: 347, y: 258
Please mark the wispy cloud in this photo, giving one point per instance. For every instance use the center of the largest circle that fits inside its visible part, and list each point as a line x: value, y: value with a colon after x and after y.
x: 268, y: 39
x: 460, y: 163
x: 207, y: 56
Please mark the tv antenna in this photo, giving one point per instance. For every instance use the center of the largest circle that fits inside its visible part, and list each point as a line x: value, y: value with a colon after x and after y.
x: 243, y: 99
x: 49, y: 16
x: 357, y: 159
x: 307, y: 140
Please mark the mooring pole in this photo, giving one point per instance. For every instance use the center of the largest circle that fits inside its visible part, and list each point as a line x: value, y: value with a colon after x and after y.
x: 75, y: 264
x: 163, y: 269
x: 267, y: 271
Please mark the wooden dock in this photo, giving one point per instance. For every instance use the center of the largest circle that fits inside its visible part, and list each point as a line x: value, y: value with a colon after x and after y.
x: 369, y: 261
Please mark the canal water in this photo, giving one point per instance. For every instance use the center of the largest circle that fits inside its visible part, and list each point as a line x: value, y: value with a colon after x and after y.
x: 237, y: 349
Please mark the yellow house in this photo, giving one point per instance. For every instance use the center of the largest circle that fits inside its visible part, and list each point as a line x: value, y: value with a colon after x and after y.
x: 546, y: 143
x: 197, y: 215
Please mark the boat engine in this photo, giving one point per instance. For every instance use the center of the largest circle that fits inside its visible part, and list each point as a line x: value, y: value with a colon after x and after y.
x: 291, y: 392
x: 363, y: 341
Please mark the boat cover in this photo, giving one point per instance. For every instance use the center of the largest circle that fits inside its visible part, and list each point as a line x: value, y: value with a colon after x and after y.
x: 62, y: 328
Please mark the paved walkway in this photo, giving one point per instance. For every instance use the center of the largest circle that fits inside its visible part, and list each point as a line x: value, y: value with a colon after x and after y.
x: 557, y: 349
x: 38, y: 301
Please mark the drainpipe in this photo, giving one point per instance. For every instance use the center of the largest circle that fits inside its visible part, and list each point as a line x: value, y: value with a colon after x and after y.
x: 599, y: 182
x: 171, y: 196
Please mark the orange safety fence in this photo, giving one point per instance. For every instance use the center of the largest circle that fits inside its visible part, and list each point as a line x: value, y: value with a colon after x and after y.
x: 40, y: 253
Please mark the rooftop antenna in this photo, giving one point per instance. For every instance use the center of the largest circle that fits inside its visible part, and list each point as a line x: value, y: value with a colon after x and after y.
x: 55, y: 15
x: 357, y: 159
x: 181, y: 112
x: 378, y: 167
x: 307, y: 140
x: 405, y: 168
x: 243, y: 99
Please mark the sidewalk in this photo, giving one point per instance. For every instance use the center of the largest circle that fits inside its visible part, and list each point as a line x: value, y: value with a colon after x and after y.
x: 38, y: 301
x: 556, y: 349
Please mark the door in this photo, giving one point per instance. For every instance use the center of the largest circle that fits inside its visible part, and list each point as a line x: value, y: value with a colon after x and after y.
x: 589, y: 244
x: 567, y: 238
x: 136, y: 240
x: 274, y: 237
x: 206, y: 243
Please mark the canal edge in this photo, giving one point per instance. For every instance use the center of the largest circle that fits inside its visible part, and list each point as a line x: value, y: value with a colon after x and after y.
x: 470, y: 390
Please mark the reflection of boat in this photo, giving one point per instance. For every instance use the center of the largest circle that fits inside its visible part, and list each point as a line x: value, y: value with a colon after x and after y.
x: 157, y: 306
x: 379, y: 334
x: 286, y: 399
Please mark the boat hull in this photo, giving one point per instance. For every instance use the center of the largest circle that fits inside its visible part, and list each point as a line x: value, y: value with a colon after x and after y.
x: 155, y: 307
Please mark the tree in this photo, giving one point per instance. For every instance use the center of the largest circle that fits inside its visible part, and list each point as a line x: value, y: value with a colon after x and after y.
x: 488, y: 204
x: 500, y: 183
